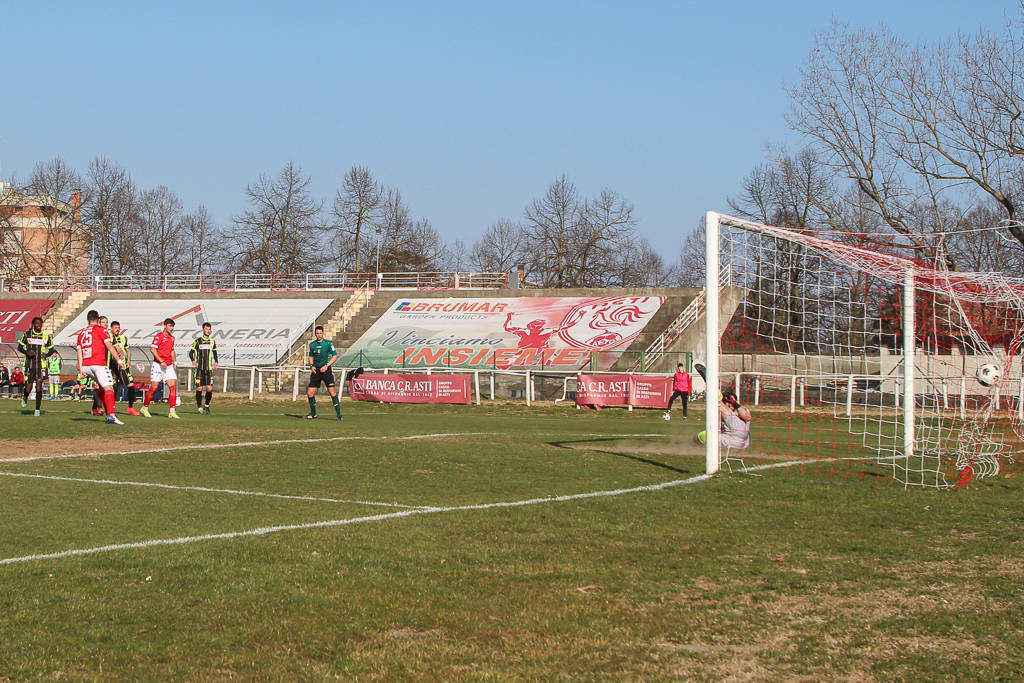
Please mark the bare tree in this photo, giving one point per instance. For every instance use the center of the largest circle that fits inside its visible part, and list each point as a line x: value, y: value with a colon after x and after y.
x: 793, y: 191
x: 639, y: 265
x: 918, y: 127
x: 569, y: 242
x: 455, y: 257
x: 356, y: 210
x: 204, y: 244
x: 689, y: 269
x: 61, y: 246
x: 111, y: 207
x: 500, y: 248
x: 418, y: 248
x: 603, y: 240
x: 10, y: 238
x: 280, y: 232
x: 550, y: 223
x: 159, y: 240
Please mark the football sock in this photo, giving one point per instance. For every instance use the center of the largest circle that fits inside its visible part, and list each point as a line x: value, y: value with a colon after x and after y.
x: 172, y: 396
x: 97, y: 402
x: 337, y: 405
x: 131, y: 396
x: 39, y: 396
x: 312, y: 406
x: 108, y: 400
x: 209, y: 397
x: 199, y: 399
x: 149, y: 396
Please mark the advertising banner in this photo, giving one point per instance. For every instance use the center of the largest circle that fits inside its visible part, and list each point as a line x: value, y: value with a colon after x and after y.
x: 247, y: 331
x: 644, y: 391
x: 16, y: 317
x: 602, y: 390
x: 554, y: 332
x: 649, y: 391
x: 398, y: 388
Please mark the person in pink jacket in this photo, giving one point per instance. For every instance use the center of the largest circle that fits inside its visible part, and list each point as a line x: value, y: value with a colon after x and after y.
x: 681, y: 387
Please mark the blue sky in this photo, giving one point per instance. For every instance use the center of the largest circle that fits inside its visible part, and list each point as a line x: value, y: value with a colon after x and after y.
x: 470, y: 109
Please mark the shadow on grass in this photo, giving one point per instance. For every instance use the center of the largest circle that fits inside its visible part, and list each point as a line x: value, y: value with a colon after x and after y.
x: 590, y: 445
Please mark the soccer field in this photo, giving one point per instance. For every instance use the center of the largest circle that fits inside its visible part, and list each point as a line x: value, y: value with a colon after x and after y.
x: 479, y: 542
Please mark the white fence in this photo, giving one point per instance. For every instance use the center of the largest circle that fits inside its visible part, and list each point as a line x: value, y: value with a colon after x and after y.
x: 299, y: 282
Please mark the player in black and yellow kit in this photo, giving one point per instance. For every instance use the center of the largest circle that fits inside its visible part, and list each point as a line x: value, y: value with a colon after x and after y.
x: 36, y: 345
x: 122, y: 374
x: 321, y: 357
x: 203, y: 355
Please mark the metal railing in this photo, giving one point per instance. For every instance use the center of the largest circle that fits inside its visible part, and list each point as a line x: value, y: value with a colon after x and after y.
x: 297, y: 352
x: 302, y: 282
x: 690, y: 315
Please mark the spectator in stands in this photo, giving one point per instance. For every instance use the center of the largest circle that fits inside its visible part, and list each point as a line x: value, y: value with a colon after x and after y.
x: 5, y: 379
x: 17, y: 382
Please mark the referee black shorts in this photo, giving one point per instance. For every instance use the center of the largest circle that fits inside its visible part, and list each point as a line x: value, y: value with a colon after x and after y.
x: 327, y: 378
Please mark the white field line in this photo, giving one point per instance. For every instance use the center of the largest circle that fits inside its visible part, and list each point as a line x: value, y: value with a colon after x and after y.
x: 204, y: 489
x: 262, y: 531
x: 242, y: 444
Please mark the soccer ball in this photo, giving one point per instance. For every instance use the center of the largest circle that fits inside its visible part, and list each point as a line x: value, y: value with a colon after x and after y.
x: 988, y: 374
x: 666, y: 416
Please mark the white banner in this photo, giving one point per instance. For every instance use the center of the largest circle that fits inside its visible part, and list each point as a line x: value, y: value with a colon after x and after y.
x: 247, y: 331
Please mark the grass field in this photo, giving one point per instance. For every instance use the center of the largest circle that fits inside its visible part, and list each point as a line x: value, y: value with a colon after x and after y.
x: 486, y: 542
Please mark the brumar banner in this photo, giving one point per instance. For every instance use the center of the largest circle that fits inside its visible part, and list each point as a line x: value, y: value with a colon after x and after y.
x: 399, y: 388
x: 642, y: 391
x: 538, y: 332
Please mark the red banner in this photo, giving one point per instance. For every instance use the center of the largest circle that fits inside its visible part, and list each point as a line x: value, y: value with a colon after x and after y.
x: 396, y: 388
x: 645, y: 391
x: 16, y: 317
x: 649, y: 391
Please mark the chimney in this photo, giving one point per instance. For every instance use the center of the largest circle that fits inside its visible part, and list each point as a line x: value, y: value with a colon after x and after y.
x: 76, y: 206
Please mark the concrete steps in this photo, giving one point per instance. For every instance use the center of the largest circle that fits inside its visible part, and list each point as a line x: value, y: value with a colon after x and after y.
x: 335, y: 319
x: 669, y: 311
x: 69, y: 306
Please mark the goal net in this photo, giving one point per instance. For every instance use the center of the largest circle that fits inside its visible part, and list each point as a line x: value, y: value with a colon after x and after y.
x: 860, y: 358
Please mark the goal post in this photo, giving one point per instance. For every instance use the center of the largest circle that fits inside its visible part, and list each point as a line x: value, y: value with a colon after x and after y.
x: 712, y: 276
x: 861, y: 356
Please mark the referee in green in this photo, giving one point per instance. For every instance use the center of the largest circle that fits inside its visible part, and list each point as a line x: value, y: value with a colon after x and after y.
x: 321, y: 357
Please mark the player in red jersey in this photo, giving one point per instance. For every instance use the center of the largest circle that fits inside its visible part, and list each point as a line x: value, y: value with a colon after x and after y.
x: 162, y: 349
x: 93, y: 346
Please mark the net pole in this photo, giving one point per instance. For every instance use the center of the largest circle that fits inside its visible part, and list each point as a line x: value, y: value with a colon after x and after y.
x: 908, y: 363
x: 711, y: 276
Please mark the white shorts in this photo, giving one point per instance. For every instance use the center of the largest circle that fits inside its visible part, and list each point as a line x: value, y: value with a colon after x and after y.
x: 100, y: 373
x: 159, y: 373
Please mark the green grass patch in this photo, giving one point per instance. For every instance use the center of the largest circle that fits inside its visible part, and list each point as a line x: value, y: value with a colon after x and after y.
x: 767, y: 577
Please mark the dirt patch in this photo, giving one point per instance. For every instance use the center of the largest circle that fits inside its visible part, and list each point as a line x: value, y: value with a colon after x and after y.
x: 637, y: 447
x: 11, y: 450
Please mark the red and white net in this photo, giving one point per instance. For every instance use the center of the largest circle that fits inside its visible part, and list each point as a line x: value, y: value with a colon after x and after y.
x: 815, y: 349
